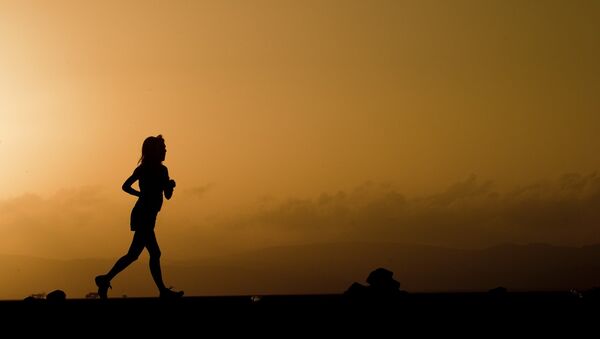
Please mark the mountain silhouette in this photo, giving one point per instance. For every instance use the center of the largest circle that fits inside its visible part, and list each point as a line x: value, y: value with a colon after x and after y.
x: 327, y: 268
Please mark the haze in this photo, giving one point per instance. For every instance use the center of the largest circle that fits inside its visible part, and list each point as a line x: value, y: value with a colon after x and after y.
x: 462, y: 124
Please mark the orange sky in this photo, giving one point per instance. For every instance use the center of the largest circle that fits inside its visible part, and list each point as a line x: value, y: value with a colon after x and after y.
x: 265, y: 101
x: 283, y: 98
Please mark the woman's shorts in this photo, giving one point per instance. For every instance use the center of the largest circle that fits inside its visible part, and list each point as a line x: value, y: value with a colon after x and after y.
x: 142, y: 218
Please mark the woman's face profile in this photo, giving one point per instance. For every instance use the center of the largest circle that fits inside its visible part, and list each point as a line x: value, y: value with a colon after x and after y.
x: 163, y: 153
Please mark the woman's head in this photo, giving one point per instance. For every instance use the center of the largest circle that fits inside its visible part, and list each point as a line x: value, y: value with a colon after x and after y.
x: 153, y: 150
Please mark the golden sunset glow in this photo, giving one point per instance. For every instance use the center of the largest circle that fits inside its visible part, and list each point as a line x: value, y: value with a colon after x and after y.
x: 279, y: 116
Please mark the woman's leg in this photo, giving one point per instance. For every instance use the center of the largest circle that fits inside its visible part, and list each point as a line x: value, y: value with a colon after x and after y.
x: 154, y: 250
x: 136, y: 248
x: 103, y: 281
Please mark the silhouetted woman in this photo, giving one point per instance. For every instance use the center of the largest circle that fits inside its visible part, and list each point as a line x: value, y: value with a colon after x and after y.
x: 154, y: 180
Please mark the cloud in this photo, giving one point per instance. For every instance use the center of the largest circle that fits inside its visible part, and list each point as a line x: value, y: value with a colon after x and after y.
x: 469, y: 213
x: 89, y: 222
x: 199, y: 192
x: 75, y: 222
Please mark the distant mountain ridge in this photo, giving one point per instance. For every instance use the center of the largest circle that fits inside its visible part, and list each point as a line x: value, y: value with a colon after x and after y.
x: 320, y: 268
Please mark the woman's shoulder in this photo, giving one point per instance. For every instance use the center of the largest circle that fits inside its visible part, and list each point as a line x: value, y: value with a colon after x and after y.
x: 159, y: 169
x: 152, y: 168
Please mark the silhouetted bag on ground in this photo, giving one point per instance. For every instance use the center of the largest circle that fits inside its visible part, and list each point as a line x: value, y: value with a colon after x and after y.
x: 56, y: 295
x: 382, y: 288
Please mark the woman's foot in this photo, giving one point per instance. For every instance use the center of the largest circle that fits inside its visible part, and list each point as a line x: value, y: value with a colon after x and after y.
x: 103, y: 284
x: 168, y: 293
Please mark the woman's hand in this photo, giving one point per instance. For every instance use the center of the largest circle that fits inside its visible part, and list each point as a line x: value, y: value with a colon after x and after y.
x: 169, y: 189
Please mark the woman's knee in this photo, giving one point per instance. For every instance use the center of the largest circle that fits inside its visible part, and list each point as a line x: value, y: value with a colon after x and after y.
x: 132, y: 256
x: 155, y: 255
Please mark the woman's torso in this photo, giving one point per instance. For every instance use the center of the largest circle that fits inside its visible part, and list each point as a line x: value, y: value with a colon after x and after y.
x: 152, y: 179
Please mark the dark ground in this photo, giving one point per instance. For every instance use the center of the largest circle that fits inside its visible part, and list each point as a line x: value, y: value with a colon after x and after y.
x: 473, y: 314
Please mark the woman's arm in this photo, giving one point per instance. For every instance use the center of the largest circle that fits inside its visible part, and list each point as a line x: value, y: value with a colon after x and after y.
x: 169, y: 189
x: 169, y: 185
x: 127, y: 184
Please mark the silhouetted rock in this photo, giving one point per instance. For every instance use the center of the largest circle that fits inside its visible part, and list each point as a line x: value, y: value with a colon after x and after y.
x: 92, y: 295
x: 381, y: 281
x: 357, y: 290
x: 56, y: 295
x: 30, y: 300
x: 576, y: 293
x: 593, y: 293
x: 382, y: 288
x: 498, y: 291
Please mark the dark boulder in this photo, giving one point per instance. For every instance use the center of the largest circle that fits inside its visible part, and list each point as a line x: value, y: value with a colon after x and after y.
x: 56, y: 295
